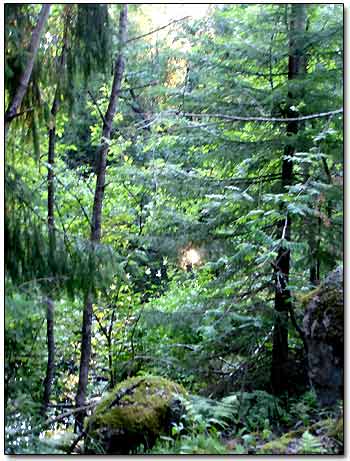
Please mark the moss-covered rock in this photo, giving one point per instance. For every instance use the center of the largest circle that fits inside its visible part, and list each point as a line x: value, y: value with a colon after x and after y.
x: 324, y: 334
x: 136, y: 412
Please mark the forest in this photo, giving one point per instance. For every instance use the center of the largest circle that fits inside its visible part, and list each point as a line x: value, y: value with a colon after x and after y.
x: 173, y: 228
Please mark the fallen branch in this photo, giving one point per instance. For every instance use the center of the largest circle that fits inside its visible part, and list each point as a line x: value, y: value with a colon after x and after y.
x: 55, y: 419
x: 123, y: 392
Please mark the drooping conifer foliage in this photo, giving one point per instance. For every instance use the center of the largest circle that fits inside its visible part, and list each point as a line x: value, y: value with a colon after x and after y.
x: 174, y: 199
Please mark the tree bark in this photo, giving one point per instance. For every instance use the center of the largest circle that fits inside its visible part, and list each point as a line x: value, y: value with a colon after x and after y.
x: 296, y: 67
x: 96, y: 224
x: 17, y: 99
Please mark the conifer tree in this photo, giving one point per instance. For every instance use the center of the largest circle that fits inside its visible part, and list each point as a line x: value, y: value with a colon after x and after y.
x: 283, y: 304
x: 15, y: 103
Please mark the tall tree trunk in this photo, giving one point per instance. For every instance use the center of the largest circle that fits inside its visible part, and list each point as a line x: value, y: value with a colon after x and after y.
x: 17, y: 99
x: 50, y: 312
x: 296, y: 67
x: 50, y: 307
x: 95, y: 236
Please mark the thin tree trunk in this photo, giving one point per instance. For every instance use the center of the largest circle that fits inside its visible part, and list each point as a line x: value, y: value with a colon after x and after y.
x: 95, y: 236
x: 17, y: 99
x: 296, y: 67
x: 314, y: 245
x: 52, y: 244
x: 51, y: 173
x: 50, y: 370
x: 52, y: 236
x: 110, y: 365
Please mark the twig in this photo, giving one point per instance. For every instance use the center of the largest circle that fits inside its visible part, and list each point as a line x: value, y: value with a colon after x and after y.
x: 61, y: 405
x: 156, y: 30
x: 97, y: 107
x: 285, y: 228
x: 102, y: 328
x: 41, y: 279
x: 18, y: 114
x: 297, y: 327
x: 76, y: 441
x: 152, y: 83
x: 77, y: 199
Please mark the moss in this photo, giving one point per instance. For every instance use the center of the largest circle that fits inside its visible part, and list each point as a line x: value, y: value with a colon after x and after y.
x: 141, y: 413
x: 278, y: 446
x: 325, y: 309
x: 305, y: 298
x: 291, y: 442
x: 336, y: 429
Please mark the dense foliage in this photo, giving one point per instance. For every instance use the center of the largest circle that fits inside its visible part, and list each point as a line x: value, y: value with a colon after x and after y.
x: 209, y: 180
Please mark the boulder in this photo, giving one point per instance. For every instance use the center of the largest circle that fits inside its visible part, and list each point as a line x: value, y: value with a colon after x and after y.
x: 324, y: 333
x: 136, y: 412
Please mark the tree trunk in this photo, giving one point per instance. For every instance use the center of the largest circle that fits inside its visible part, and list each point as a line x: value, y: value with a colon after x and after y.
x: 110, y: 365
x: 51, y: 172
x: 95, y: 236
x: 314, y: 245
x: 17, y: 99
x: 51, y: 231
x: 296, y: 67
x: 51, y: 354
x: 52, y: 245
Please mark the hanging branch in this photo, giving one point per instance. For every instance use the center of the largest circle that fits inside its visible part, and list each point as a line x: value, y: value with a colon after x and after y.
x: 237, y: 118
